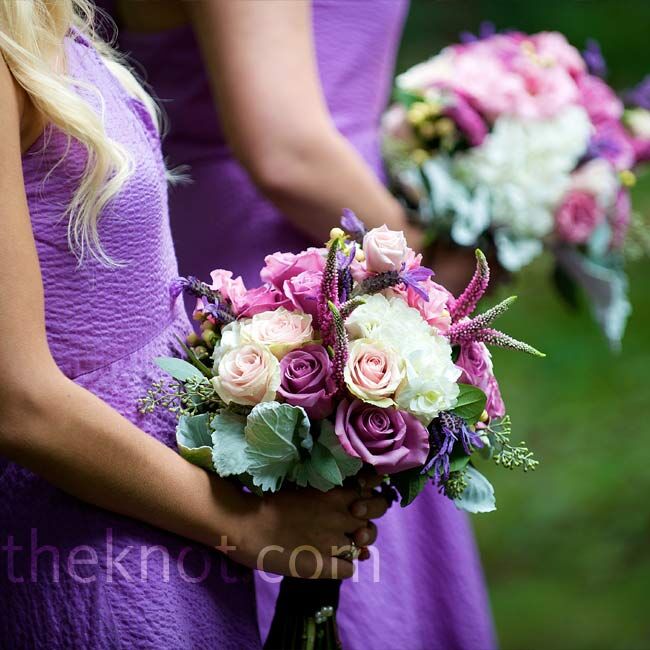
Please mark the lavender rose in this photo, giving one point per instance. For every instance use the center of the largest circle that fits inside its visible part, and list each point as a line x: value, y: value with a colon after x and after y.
x: 307, y: 381
x: 303, y: 290
x: 389, y: 439
x: 475, y: 361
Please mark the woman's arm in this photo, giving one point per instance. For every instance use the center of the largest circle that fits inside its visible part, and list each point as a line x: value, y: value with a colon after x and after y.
x: 79, y: 443
x: 261, y: 62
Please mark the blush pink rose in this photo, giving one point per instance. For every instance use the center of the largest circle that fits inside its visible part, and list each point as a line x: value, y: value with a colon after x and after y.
x: 435, y: 310
x: 373, y: 372
x: 577, y: 217
x: 385, y: 249
x: 598, y: 99
x: 279, y: 330
x: 475, y: 361
x: 280, y: 267
x: 303, y: 291
x: 248, y: 374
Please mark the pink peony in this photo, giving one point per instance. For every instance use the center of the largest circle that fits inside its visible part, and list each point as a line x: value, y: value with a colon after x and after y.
x: 599, y: 100
x: 280, y: 267
x: 468, y: 120
x: 435, y: 310
x: 553, y: 48
x: 475, y: 361
x: 577, y: 217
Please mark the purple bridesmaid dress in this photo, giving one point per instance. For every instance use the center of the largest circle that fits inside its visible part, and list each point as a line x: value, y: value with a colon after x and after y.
x: 425, y: 589
x: 72, y: 575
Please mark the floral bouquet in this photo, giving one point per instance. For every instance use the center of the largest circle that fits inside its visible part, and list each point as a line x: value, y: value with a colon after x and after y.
x: 516, y: 142
x: 346, y: 358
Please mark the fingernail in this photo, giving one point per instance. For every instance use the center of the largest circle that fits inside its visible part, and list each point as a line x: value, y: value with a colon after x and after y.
x: 363, y: 538
x: 359, y: 509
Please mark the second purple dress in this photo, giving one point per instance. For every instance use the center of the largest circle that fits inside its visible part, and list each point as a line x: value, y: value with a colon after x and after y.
x: 424, y: 586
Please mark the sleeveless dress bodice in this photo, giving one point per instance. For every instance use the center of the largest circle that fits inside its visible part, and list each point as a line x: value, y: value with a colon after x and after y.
x: 426, y: 591
x: 81, y: 577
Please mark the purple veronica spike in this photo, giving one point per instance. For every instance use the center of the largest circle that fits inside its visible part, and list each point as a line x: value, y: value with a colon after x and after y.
x: 466, y: 303
x: 413, y: 278
x: 219, y: 313
x: 594, y: 59
x: 379, y: 282
x: 494, y: 337
x: 467, y: 330
x: 340, y: 345
x: 353, y: 225
x: 640, y: 94
x: 329, y: 292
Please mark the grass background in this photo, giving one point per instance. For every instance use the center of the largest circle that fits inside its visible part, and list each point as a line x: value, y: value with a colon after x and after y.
x: 567, y: 555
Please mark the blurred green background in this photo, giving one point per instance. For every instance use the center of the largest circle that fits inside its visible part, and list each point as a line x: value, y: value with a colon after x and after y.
x: 567, y: 554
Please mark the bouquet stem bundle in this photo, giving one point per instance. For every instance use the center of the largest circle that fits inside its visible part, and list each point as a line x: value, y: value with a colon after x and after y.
x: 305, y: 616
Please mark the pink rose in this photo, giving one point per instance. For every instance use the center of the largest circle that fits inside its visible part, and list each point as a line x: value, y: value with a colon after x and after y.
x: 599, y: 100
x: 389, y: 439
x: 385, y: 249
x: 373, y: 372
x: 261, y: 299
x: 303, y: 291
x: 248, y: 374
x: 280, y: 267
x: 475, y: 361
x: 232, y: 289
x: 577, y: 217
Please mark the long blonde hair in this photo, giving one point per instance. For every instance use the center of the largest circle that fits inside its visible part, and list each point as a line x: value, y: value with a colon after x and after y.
x: 32, y: 42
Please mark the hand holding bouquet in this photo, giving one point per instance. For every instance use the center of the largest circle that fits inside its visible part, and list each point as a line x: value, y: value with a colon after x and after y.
x: 346, y: 358
x: 515, y: 141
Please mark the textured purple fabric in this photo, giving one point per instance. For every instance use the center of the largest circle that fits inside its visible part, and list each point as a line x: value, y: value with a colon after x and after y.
x: 430, y: 592
x: 63, y: 583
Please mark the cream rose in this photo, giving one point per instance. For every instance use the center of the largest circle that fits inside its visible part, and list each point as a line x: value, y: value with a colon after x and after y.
x: 385, y: 249
x: 373, y: 372
x: 247, y: 374
x: 280, y: 331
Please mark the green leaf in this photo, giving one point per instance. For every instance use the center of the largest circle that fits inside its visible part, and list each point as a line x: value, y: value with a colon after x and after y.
x: 406, y: 97
x: 456, y: 464
x: 470, y: 404
x: 275, y: 434
x: 328, y: 465
x: 566, y: 287
x: 178, y: 368
x: 478, y: 496
x: 230, y: 448
x: 194, y: 441
x: 195, y: 361
x: 409, y: 484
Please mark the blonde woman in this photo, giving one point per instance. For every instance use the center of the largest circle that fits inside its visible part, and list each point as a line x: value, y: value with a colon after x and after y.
x: 97, y: 512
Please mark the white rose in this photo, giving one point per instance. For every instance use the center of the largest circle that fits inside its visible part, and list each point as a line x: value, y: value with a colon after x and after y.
x: 248, y: 374
x: 280, y: 331
x: 385, y: 249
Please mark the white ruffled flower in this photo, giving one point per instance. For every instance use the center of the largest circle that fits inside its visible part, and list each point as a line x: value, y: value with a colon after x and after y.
x: 429, y: 384
x: 525, y: 165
